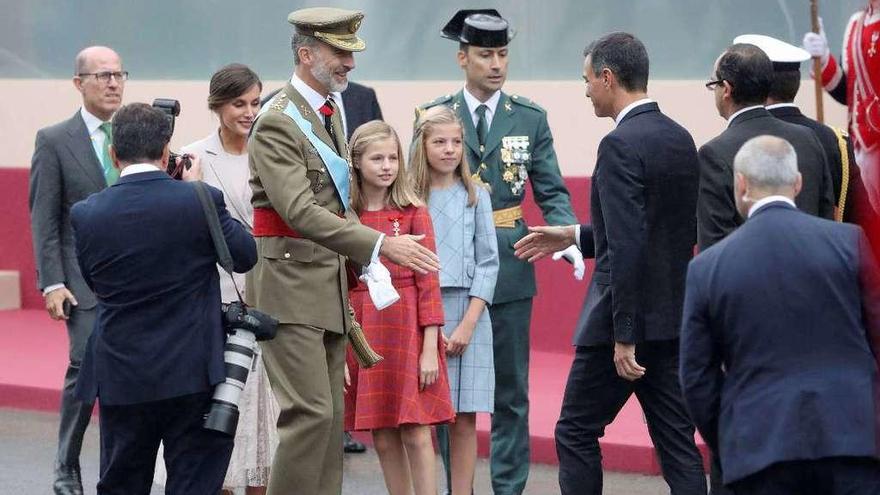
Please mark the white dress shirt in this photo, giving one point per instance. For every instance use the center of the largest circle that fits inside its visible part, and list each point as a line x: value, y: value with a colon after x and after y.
x: 741, y: 111
x: 491, y: 105
x: 138, y: 168
x: 93, y: 124
x: 629, y: 108
x: 769, y: 199
x: 781, y: 105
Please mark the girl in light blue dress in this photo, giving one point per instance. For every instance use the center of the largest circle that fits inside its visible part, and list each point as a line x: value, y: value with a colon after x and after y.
x: 461, y: 212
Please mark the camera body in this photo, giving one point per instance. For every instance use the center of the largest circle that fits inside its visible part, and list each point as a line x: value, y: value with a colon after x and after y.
x: 244, y: 326
x: 177, y: 162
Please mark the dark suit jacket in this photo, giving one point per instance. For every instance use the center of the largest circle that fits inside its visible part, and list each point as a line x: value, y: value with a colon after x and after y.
x: 828, y: 140
x: 716, y: 213
x: 64, y: 170
x: 782, y: 305
x: 643, y: 206
x: 361, y: 106
x: 145, y: 250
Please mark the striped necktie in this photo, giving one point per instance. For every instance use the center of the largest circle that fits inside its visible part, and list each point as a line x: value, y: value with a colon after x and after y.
x: 111, y: 174
x: 327, y: 110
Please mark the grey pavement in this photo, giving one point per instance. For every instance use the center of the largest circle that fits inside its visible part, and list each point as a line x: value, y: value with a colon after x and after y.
x: 27, y: 445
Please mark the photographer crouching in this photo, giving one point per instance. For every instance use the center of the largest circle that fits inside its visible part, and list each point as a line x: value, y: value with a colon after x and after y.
x: 156, y: 353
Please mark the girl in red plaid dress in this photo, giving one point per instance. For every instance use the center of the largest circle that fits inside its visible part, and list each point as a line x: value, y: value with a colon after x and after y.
x: 398, y: 399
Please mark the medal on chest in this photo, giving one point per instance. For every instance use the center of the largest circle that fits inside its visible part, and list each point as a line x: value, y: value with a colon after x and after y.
x: 395, y: 224
x: 514, y: 156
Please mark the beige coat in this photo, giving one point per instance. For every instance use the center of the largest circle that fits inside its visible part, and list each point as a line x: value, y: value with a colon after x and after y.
x: 302, y: 280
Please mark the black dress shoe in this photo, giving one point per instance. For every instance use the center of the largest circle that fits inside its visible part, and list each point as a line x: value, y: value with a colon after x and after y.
x: 352, y: 446
x: 67, y: 480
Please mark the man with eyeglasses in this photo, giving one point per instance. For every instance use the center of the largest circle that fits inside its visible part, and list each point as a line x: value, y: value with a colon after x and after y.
x: 741, y: 81
x: 71, y: 161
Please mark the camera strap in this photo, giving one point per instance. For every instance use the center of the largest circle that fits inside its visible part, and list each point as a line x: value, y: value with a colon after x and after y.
x: 220, y: 247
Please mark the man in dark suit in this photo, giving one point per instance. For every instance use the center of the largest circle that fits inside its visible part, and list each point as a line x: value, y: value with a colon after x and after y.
x: 785, y: 83
x: 156, y: 353
x: 70, y: 162
x: 359, y: 106
x: 642, y: 206
x: 741, y: 83
x: 776, y: 368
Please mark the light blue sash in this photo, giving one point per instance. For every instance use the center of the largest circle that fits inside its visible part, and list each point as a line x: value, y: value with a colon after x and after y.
x: 336, y: 165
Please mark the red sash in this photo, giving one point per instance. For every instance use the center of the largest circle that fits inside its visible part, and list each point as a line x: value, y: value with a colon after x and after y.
x: 268, y: 223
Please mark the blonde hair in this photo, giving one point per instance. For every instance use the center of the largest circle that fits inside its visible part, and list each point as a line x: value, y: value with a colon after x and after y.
x: 400, y: 193
x: 421, y: 170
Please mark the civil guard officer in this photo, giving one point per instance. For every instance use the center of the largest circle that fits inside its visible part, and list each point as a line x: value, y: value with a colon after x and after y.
x: 508, y: 143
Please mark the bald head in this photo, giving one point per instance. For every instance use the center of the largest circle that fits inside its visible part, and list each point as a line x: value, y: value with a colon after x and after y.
x: 89, y: 56
x: 765, y: 166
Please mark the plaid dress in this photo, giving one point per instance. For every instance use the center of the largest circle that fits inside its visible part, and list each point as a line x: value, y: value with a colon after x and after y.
x: 388, y: 395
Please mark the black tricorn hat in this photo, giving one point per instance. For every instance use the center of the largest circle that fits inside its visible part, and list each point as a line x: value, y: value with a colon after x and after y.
x: 478, y: 27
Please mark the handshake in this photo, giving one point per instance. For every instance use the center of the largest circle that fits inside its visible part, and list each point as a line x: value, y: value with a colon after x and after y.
x: 556, y: 241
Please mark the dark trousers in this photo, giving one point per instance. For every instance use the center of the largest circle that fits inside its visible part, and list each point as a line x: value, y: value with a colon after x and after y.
x: 196, y: 459
x: 716, y: 487
x: 75, y: 415
x: 509, y: 460
x: 595, y: 394
x: 828, y: 476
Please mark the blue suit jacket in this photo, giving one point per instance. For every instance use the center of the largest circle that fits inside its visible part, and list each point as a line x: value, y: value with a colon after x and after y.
x: 643, y: 208
x: 782, y: 304
x: 146, y: 252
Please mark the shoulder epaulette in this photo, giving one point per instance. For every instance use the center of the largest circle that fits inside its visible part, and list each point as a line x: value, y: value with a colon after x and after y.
x: 278, y: 102
x: 523, y: 101
x: 442, y: 100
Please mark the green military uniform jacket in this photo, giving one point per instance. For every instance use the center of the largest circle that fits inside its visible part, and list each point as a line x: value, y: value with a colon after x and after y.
x: 519, y: 127
x: 302, y: 280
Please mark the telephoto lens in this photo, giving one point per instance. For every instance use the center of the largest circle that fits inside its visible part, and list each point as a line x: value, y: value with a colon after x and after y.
x: 243, y: 329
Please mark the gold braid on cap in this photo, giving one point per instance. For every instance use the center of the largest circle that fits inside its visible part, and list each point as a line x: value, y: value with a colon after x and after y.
x: 349, y: 41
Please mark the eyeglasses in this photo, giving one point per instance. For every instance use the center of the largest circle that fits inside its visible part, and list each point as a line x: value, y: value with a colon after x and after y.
x: 711, y: 84
x: 104, y: 77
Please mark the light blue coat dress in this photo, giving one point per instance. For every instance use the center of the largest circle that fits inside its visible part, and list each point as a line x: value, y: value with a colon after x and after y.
x: 468, y: 251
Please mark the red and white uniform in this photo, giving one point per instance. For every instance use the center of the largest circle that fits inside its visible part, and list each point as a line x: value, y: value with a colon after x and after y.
x: 856, y: 83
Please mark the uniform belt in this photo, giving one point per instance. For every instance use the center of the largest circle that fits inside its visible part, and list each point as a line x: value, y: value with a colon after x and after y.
x: 507, y: 217
x: 268, y: 223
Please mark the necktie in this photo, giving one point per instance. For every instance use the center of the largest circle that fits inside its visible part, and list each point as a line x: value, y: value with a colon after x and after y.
x: 482, y: 128
x: 327, y: 110
x: 111, y: 174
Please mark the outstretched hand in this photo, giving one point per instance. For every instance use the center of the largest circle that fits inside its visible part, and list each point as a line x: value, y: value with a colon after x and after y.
x: 406, y: 251
x: 543, y: 241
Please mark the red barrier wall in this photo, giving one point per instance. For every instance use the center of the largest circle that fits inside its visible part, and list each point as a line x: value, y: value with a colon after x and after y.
x: 16, y: 248
x: 555, y: 309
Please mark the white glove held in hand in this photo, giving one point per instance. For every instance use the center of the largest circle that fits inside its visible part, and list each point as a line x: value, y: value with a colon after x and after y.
x: 378, y: 280
x: 817, y: 44
x: 573, y: 255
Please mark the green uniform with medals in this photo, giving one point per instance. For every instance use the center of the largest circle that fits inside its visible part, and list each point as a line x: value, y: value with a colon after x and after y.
x: 519, y: 148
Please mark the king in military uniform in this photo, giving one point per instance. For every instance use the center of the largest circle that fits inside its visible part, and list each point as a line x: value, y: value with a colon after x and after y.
x: 509, y: 144
x: 306, y: 232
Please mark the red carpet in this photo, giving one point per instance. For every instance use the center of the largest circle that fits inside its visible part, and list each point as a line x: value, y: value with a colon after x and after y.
x: 33, y: 350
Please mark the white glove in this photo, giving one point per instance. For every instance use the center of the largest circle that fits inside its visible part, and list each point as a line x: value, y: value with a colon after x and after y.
x: 573, y: 255
x: 817, y: 44
x: 378, y: 280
